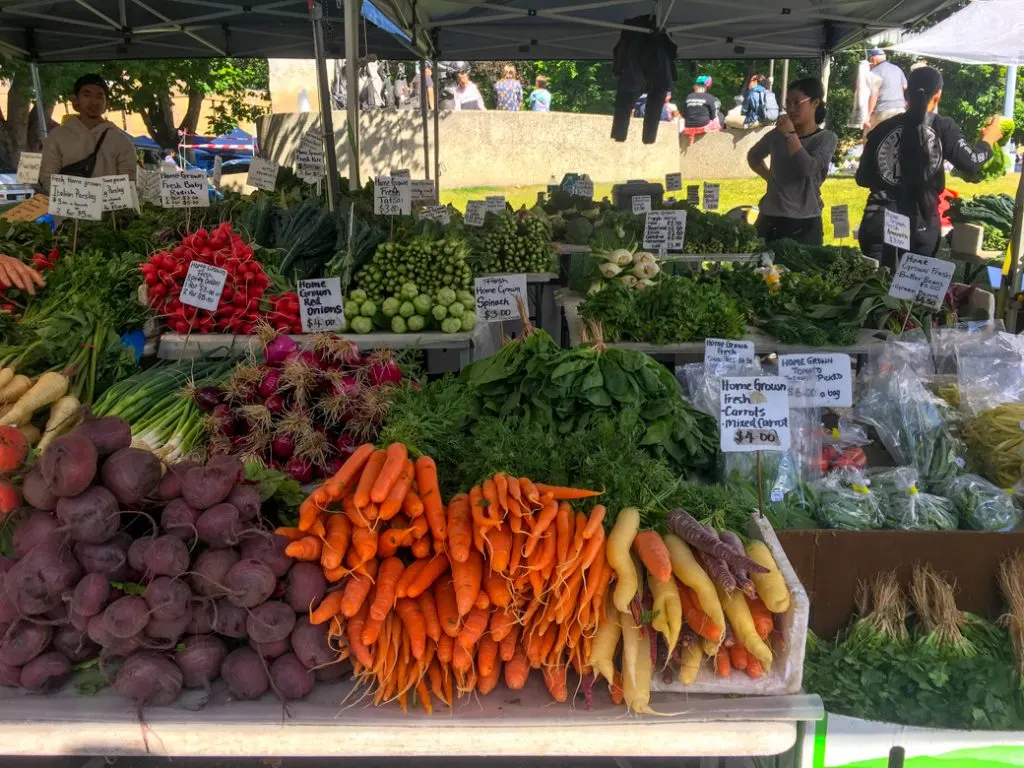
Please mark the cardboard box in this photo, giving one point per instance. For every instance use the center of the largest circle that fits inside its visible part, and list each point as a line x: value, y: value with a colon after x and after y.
x: 830, y: 563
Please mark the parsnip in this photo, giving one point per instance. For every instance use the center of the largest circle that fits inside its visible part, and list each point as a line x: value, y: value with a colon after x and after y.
x: 688, y: 571
x: 619, y: 541
x: 771, y: 586
x: 48, y: 388
x: 15, y: 388
x: 6, y: 375
x: 31, y: 433
x: 63, y: 416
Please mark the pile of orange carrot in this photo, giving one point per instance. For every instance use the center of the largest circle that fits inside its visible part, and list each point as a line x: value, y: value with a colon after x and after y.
x: 438, y: 599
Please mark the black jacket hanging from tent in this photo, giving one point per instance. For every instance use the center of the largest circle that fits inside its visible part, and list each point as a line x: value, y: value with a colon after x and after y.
x: 642, y: 62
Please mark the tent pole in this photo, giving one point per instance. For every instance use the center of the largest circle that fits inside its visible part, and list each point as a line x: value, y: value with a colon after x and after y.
x: 41, y: 110
x: 324, y: 95
x: 437, y: 120
x: 826, y: 71
x: 771, y: 74
x: 1011, y: 91
x: 352, y: 82
x: 785, y: 79
x: 425, y: 114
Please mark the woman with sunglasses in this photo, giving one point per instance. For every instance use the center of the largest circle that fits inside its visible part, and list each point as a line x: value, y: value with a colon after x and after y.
x: 800, y: 153
x: 903, y: 167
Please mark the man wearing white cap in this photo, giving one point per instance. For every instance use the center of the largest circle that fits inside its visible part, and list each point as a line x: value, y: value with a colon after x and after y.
x: 888, y: 87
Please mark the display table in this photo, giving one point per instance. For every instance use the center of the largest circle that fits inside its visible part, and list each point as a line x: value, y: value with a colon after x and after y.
x: 540, y: 289
x: 764, y: 343
x: 504, y: 723
x: 476, y: 344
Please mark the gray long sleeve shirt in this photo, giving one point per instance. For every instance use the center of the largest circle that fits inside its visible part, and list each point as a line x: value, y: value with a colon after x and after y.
x: 794, y: 183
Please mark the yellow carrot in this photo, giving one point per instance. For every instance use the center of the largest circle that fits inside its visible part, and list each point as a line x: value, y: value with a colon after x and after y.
x: 688, y: 571
x: 667, y: 608
x: 606, y: 641
x: 691, y: 658
x: 771, y: 586
x: 619, y: 541
x: 738, y: 613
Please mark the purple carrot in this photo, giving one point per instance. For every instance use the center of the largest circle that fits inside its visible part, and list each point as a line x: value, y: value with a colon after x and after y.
x: 717, y: 570
x: 731, y: 540
x: 693, y: 533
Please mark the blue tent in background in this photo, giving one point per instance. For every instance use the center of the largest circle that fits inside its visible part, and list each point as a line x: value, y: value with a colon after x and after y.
x: 144, y: 142
x: 234, y: 142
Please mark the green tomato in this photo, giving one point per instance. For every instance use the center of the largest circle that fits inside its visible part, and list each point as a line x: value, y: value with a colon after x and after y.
x: 407, y: 309
x: 409, y: 290
x: 416, y: 323
x: 465, y: 298
x: 368, y: 308
x: 467, y: 321
x: 361, y: 324
x: 358, y: 295
x: 351, y: 308
x: 440, y: 312
x: 455, y: 309
x: 451, y: 325
x: 390, y: 307
x: 398, y: 325
x: 422, y: 303
x: 445, y: 296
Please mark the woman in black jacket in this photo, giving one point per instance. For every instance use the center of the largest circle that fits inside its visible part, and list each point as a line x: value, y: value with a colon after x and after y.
x: 902, y: 165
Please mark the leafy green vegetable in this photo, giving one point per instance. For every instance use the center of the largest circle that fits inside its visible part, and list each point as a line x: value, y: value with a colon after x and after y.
x: 281, y: 493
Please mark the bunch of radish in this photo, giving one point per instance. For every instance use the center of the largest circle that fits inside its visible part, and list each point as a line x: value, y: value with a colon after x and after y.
x: 283, y: 314
x: 14, y: 447
x: 164, y: 274
x: 166, y: 577
x: 300, y: 411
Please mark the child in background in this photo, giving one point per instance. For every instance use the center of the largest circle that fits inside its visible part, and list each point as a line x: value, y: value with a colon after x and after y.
x: 540, y: 99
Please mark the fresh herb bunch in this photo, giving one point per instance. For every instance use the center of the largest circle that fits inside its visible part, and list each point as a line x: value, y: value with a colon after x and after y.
x: 674, y: 310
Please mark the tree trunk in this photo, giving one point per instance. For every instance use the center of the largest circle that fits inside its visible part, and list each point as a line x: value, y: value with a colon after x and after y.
x: 195, y: 107
x: 159, y: 119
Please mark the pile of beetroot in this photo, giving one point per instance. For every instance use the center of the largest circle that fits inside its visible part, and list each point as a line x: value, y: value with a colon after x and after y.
x: 300, y: 411
x: 166, y: 577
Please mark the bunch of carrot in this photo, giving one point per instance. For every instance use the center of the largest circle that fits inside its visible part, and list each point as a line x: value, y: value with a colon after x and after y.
x: 438, y: 599
x: 662, y: 591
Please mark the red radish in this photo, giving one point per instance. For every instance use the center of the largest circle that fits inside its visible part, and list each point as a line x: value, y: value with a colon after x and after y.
x: 10, y: 499
x: 299, y: 469
x: 13, y: 449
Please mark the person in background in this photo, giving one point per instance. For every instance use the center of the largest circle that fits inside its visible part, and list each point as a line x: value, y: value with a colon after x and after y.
x: 888, y: 90
x: 466, y: 95
x: 700, y: 110
x: 15, y: 274
x: 508, y: 92
x: 800, y: 152
x: 540, y: 99
x: 903, y: 166
x: 87, y: 144
x: 753, y: 100
x: 424, y: 80
x: 169, y: 164
x: 669, y: 111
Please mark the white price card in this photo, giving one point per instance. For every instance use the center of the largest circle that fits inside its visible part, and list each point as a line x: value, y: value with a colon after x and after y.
x: 74, y: 197
x: 262, y: 174
x: 641, y: 203
x: 117, y: 193
x: 496, y: 297
x: 840, y: 220
x: 476, y: 210
x: 583, y: 188
x: 665, y: 230
x: 897, y: 230
x: 818, y: 380
x: 308, y: 160
x: 753, y: 414
x: 436, y: 213
x: 401, y: 173
x: 710, y: 196
x: 147, y: 183
x: 392, y: 196
x: 495, y: 204
x: 424, y: 192
x: 922, y: 278
x: 321, y: 307
x: 718, y: 352
x: 28, y: 167
x: 189, y: 189
x: 203, y: 286
x: 673, y: 182
x: 693, y: 194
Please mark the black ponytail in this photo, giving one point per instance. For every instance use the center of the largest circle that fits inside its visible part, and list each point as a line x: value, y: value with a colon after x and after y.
x: 814, y: 90
x: 919, y: 153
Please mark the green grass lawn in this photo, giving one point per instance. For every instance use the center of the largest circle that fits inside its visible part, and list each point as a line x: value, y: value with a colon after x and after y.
x: 835, y: 191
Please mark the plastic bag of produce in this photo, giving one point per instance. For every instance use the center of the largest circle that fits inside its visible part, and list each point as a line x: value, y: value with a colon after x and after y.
x: 983, y: 506
x: 845, y: 501
x: 703, y: 383
x: 990, y: 372
x: 916, y: 427
x: 907, y: 508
